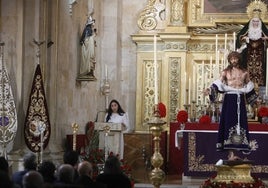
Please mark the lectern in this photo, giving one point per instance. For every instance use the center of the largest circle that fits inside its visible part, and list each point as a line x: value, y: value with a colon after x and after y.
x: 110, y: 137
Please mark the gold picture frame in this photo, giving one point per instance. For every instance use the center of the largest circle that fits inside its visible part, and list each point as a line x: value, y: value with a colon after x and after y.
x: 208, y: 13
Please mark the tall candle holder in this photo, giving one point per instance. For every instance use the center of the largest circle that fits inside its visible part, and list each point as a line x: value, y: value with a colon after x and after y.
x: 187, y: 107
x: 106, y: 91
x: 197, y: 111
x: 213, y: 109
x: 204, y: 109
x: 157, y: 175
x: 193, y: 119
x: 75, y: 127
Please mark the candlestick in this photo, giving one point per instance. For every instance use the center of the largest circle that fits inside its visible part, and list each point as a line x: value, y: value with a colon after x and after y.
x: 216, y: 45
x: 234, y: 38
x: 211, y: 68
x: 206, y: 84
x: 185, y: 95
x: 202, y: 77
x: 189, y: 90
x: 225, y: 42
x: 106, y: 72
x: 217, y: 63
x: 206, y: 79
x: 194, y: 82
x: 221, y: 65
x: 155, y: 73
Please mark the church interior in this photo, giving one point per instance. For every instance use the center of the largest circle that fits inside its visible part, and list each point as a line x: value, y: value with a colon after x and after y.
x: 140, y: 53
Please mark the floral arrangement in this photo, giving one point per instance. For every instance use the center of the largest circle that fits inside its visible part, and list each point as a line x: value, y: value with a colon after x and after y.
x: 263, y: 111
x: 205, y: 119
x: 182, y: 116
x: 209, y: 183
x: 162, y: 110
x: 95, y: 156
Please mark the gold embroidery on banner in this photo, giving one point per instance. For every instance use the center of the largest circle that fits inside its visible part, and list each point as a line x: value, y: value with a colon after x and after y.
x: 37, y: 116
x: 196, y: 162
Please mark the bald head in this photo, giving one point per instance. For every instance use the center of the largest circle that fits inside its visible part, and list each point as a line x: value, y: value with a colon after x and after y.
x: 85, y: 169
x: 32, y: 179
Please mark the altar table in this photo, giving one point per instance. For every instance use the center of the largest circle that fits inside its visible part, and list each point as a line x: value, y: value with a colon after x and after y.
x: 197, y: 154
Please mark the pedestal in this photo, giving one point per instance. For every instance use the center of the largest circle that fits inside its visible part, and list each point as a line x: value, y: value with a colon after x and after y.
x: 238, y: 173
x: 110, y: 137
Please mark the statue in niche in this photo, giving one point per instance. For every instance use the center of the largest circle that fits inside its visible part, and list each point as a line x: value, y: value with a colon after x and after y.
x: 88, y: 44
x: 252, y: 43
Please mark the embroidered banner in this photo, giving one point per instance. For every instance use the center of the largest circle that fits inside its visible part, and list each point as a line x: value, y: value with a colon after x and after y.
x: 37, y: 125
x: 201, y: 156
x: 8, y: 114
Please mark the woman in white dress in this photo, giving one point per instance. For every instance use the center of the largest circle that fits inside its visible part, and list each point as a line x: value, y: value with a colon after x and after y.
x: 116, y: 114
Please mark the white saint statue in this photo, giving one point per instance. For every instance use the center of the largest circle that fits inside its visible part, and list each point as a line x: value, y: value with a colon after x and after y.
x: 87, y: 42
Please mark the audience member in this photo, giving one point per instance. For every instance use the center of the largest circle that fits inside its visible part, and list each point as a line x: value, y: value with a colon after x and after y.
x: 32, y: 179
x: 85, y: 172
x: 113, y: 176
x: 65, y: 175
x: 5, y: 181
x: 5, y: 174
x: 29, y: 163
x: 72, y: 158
x: 4, y: 164
x: 47, y: 170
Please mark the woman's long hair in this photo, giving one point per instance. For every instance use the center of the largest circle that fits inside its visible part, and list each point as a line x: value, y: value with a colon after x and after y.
x: 120, y: 111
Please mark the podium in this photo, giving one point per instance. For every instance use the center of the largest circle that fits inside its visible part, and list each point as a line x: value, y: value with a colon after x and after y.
x: 110, y: 137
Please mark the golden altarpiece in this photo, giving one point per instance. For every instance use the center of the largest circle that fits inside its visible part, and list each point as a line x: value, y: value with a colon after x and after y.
x: 192, y: 45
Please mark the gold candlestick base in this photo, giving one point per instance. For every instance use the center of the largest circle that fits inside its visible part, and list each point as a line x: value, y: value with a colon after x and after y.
x: 157, y: 175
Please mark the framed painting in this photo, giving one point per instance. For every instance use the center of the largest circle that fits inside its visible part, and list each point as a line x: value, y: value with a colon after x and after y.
x: 207, y: 13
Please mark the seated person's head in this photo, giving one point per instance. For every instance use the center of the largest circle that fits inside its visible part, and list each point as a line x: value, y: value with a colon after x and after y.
x: 85, y: 169
x: 112, y: 165
x: 29, y: 161
x: 71, y: 157
x: 32, y: 179
x: 47, y: 170
x: 65, y: 173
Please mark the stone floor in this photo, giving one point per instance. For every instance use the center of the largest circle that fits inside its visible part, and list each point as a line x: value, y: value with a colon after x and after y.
x: 174, y: 181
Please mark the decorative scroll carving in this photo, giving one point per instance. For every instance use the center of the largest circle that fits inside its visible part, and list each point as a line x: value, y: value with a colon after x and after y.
x: 174, y: 88
x: 175, y: 46
x: 150, y: 17
x: 177, y: 12
x: 199, y: 47
x: 220, y: 28
x: 149, y: 89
